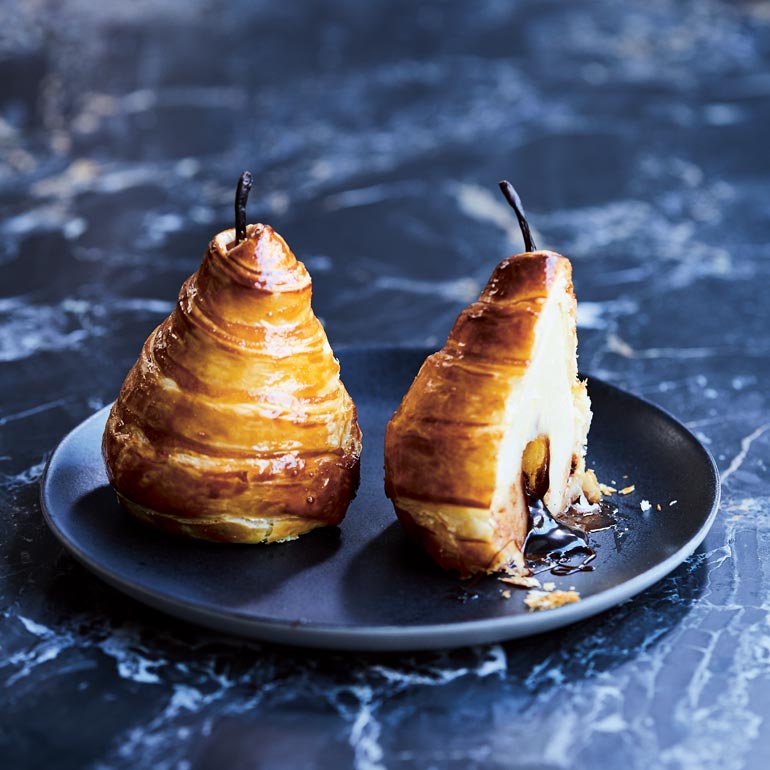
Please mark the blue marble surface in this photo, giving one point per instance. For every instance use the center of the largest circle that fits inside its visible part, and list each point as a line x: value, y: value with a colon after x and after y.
x: 637, y: 133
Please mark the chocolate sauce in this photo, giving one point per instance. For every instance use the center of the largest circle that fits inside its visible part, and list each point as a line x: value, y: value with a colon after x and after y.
x: 561, y: 545
x: 595, y: 521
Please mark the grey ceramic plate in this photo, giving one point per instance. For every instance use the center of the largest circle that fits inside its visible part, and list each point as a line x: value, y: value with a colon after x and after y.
x: 364, y: 585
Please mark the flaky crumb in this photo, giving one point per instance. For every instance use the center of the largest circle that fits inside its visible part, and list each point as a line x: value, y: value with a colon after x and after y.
x: 591, y: 487
x: 542, y: 600
x: 582, y: 506
x: 520, y: 581
x: 673, y: 502
x: 549, y: 586
x: 645, y: 505
x: 505, y: 594
x: 628, y: 490
x: 512, y: 570
x: 606, y: 489
x: 658, y: 507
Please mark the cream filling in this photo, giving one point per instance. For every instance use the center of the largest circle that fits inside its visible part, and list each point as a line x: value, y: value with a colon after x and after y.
x: 543, y: 402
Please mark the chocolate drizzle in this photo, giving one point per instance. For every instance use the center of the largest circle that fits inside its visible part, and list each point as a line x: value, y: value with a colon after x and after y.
x: 592, y: 521
x: 513, y: 199
x: 561, y: 545
x: 241, y: 197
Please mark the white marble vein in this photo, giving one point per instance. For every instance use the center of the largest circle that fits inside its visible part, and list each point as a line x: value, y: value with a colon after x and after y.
x: 746, y: 443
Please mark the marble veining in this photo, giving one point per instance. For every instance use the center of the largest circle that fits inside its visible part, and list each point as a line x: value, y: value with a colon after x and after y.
x: 636, y: 134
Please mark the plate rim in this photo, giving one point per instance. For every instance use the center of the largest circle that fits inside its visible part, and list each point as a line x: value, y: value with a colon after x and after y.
x: 393, y: 637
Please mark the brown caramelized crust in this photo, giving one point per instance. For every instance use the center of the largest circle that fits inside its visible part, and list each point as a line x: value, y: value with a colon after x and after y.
x: 233, y: 424
x: 443, y: 443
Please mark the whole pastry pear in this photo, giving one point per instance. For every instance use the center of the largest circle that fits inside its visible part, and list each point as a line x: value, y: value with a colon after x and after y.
x: 234, y: 425
x: 495, y: 419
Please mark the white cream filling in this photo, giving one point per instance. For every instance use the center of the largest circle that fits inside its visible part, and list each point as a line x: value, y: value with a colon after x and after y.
x: 542, y: 402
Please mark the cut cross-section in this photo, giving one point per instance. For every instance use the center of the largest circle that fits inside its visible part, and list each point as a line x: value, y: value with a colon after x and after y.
x: 497, y: 413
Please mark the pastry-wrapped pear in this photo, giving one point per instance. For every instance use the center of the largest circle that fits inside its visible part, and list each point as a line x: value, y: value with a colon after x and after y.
x: 233, y: 425
x: 498, y: 416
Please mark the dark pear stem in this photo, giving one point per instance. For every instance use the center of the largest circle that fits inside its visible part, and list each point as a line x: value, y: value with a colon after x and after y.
x: 241, y: 196
x: 515, y: 202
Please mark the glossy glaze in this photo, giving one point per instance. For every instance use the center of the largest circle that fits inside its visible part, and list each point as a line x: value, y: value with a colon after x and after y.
x: 233, y: 424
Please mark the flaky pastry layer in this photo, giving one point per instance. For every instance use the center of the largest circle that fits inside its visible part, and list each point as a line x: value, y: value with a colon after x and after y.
x: 506, y: 377
x: 234, y: 424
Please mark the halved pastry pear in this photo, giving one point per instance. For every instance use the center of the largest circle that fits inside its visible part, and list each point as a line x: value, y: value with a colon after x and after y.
x: 496, y: 417
x: 233, y: 425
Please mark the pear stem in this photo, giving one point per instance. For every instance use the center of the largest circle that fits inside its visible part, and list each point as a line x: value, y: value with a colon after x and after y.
x: 515, y: 202
x: 241, y: 197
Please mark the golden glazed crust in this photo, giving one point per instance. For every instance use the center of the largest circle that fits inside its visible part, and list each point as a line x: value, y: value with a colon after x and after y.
x: 442, y: 444
x: 233, y: 425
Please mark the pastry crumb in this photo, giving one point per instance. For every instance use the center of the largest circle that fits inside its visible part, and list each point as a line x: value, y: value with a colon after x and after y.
x: 673, y: 502
x: 628, y: 490
x: 520, y: 581
x: 549, y: 586
x: 543, y: 600
x: 583, y: 506
x: 520, y: 577
x: 606, y: 489
x: 592, y: 489
x: 511, y: 570
x: 505, y: 594
x: 658, y: 507
x: 645, y: 505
